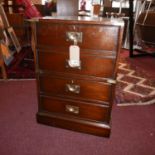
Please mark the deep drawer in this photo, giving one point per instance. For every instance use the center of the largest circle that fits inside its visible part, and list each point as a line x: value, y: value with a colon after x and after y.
x: 76, y: 108
x: 98, y: 37
x: 91, y: 64
x: 77, y: 88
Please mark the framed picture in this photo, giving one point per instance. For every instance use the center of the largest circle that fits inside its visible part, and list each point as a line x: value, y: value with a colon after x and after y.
x: 4, y: 17
x: 14, y: 39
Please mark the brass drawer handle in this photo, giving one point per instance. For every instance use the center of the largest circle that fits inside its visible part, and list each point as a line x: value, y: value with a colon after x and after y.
x: 73, y: 88
x: 69, y: 65
x: 72, y: 109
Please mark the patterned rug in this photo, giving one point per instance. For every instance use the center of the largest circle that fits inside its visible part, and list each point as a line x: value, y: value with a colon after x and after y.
x: 134, y: 86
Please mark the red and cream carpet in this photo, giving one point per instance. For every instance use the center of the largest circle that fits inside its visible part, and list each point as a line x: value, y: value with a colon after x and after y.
x: 134, y: 87
x: 135, y: 81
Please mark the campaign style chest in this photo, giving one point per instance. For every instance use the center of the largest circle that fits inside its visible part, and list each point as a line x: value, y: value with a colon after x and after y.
x: 76, y: 87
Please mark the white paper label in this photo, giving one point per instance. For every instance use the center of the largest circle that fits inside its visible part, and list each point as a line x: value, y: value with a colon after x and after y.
x: 74, y: 56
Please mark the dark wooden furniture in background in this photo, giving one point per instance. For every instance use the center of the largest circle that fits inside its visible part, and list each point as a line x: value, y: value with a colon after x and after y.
x: 64, y: 8
x: 131, y: 25
x: 147, y: 34
x: 41, y: 9
x: 11, y: 6
x: 106, y: 10
x: 16, y: 20
x: 146, y: 29
x: 79, y: 98
x: 67, y: 7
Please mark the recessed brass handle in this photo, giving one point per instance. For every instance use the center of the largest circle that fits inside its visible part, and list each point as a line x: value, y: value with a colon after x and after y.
x: 69, y: 65
x: 72, y: 109
x: 73, y: 88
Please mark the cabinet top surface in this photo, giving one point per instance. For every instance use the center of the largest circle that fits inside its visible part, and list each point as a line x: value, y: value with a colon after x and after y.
x: 82, y: 20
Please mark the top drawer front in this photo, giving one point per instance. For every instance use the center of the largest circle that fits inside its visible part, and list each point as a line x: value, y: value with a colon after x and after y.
x: 98, y: 37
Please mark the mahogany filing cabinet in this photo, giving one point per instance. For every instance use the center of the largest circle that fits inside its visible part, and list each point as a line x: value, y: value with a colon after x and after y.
x: 79, y: 97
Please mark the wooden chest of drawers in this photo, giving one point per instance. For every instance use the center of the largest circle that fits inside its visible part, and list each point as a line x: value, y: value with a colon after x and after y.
x: 77, y: 98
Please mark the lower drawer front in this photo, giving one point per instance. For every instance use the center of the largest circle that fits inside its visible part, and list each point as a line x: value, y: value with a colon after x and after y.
x: 74, y: 108
x: 70, y: 87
